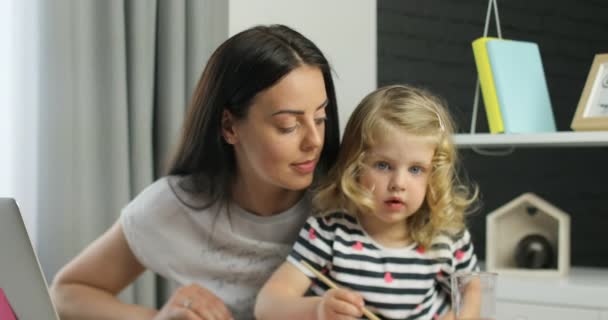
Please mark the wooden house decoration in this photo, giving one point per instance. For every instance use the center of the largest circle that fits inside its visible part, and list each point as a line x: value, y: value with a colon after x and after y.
x: 528, y: 236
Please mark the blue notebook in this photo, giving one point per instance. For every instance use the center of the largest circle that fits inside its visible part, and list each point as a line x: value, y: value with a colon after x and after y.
x: 521, y: 88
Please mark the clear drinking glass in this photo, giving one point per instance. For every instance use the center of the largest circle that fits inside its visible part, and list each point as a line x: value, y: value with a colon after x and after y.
x: 474, y: 295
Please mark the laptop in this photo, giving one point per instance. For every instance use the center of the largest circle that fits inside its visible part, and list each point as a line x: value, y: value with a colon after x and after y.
x: 22, y: 282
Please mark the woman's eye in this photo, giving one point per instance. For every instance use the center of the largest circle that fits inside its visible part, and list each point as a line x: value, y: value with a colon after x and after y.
x: 288, y: 129
x: 320, y: 121
x: 381, y: 165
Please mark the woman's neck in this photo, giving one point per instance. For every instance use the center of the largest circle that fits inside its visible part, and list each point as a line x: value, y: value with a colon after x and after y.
x: 264, y: 201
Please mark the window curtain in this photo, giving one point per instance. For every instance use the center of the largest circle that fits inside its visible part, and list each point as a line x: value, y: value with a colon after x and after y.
x: 102, y: 113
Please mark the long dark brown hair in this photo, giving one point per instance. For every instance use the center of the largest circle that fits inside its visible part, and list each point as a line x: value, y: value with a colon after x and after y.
x: 243, y: 66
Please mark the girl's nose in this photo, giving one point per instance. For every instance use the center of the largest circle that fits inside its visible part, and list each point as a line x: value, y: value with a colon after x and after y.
x: 398, y: 182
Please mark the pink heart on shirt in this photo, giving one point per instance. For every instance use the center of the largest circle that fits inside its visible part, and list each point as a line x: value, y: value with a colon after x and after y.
x: 459, y: 255
x: 388, y: 277
x: 358, y: 246
x: 436, y: 317
x: 420, y: 249
x: 311, y: 234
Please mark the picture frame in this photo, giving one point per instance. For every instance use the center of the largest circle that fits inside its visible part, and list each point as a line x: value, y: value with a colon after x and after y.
x: 592, y: 110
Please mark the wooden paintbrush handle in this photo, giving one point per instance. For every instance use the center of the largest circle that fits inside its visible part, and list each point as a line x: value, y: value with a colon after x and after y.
x: 332, y: 285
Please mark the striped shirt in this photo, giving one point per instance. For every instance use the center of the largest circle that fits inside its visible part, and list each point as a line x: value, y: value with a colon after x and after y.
x: 411, y: 282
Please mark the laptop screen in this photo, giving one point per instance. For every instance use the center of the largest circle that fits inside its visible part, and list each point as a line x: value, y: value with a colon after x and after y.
x: 21, y: 279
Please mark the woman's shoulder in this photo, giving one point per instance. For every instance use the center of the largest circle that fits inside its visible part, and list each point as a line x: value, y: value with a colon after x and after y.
x: 156, y: 193
x: 156, y: 221
x: 165, y: 195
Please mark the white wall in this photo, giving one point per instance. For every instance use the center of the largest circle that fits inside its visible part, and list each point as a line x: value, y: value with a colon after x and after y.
x: 345, y: 30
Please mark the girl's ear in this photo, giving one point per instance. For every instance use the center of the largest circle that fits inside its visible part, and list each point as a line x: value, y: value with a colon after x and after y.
x: 228, y: 131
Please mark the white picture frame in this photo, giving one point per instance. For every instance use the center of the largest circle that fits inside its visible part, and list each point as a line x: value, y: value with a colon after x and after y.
x: 592, y: 110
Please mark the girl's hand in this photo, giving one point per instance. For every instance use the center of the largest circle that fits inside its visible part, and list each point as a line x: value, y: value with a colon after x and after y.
x: 340, y: 304
x: 194, y: 302
x: 449, y: 316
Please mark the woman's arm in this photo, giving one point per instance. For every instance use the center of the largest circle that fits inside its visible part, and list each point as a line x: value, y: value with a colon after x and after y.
x: 282, y: 298
x: 86, y: 288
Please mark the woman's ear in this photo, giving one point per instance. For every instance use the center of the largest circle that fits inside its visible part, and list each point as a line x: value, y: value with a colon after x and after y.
x: 228, y: 132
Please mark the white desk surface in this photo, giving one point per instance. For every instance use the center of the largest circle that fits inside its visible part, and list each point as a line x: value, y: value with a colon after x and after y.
x: 585, y: 287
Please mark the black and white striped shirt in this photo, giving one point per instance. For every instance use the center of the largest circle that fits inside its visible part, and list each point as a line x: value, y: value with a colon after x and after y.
x: 412, y: 282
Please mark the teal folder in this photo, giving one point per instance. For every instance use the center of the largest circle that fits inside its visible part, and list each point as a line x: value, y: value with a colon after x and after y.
x: 521, y: 88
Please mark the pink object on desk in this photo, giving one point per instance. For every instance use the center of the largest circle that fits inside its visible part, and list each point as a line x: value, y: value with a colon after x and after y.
x: 6, y: 312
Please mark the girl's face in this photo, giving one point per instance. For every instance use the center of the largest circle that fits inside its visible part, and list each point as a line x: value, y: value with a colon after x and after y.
x: 396, y: 172
x: 279, y: 143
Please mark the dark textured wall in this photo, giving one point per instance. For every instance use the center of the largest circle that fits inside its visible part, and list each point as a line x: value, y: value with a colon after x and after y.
x: 428, y: 43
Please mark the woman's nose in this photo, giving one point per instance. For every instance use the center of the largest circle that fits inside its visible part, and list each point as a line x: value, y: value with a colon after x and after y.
x: 313, y: 137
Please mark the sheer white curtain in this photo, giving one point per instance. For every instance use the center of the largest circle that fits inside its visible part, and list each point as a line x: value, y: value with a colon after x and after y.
x: 102, y: 88
x: 7, y: 58
x: 18, y: 100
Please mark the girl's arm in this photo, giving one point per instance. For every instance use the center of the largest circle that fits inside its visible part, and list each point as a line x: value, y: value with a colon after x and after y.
x: 471, y: 308
x: 449, y: 316
x: 282, y: 298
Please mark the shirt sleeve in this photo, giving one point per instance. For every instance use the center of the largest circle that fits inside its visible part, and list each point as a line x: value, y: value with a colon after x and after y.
x: 314, y: 245
x: 462, y: 259
x: 463, y: 253
x: 141, y: 220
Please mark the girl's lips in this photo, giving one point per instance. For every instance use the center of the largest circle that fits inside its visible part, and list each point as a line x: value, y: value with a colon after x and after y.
x: 394, y: 206
x: 305, y: 167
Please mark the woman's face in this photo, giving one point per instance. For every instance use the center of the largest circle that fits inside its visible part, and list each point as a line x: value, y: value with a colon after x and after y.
x: 279, y: 143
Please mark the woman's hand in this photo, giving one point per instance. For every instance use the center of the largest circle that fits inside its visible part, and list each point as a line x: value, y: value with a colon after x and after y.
x: 194, y: 302
x: 340, y: 304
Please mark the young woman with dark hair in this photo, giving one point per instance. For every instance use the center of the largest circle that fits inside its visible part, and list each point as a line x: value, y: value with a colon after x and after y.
x: 262, y: 124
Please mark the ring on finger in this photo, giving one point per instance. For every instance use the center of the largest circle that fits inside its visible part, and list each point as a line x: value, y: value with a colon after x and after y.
x: 187, y: 303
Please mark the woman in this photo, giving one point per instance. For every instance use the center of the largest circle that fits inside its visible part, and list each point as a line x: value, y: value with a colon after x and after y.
x: 263, y: 122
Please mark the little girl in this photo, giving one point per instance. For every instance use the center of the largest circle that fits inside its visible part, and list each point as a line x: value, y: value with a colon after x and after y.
x: 389, y: 228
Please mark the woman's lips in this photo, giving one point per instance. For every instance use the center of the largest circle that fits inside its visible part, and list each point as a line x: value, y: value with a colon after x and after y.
x: 305, y: 167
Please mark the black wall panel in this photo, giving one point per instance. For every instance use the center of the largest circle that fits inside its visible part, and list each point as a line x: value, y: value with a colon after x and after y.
x: 428, y: 43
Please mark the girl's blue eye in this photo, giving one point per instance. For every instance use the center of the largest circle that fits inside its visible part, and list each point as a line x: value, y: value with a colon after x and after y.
x: 416, y: 170
x: 320, y: 121
x: 381, y: 165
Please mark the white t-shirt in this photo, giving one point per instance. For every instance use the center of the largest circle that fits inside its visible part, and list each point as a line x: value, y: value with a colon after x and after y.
x: 225, y: 249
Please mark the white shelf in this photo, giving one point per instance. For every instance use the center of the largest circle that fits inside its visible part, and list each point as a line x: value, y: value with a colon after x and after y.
x: 553, y: 139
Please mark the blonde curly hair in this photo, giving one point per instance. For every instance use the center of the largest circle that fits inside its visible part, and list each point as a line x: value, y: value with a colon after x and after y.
x: 418, y: 112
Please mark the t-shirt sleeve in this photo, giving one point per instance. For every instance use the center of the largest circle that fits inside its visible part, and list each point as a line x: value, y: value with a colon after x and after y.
x: 462, y: 259
x: 141, y: 220
x: 313, y: 245
x: 463, y: 253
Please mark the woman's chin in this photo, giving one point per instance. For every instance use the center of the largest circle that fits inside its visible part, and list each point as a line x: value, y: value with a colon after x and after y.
x: 299, y: 183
